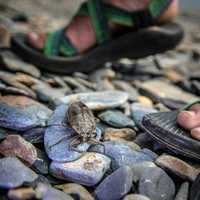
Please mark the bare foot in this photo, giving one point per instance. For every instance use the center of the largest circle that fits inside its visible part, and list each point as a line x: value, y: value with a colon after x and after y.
x: 190, y: 120
x: 81, y: 33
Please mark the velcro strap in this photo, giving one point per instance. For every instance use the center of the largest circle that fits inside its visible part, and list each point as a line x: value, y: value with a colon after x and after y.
x: 99, y: 20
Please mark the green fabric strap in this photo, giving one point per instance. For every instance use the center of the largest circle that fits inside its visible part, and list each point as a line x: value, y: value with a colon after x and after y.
x: 67, y: 48
x: 156, y: 7
x: 189, y: 105
x: 100, y: 14
x: 57, y: 42
x: 99, y: 20
x: 52, y: 43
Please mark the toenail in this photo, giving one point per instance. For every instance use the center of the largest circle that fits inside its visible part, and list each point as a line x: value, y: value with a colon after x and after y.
x: 34, y: 36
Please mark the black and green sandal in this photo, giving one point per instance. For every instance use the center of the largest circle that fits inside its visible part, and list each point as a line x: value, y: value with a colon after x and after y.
x: 163, y: 127
x: 61, y: 56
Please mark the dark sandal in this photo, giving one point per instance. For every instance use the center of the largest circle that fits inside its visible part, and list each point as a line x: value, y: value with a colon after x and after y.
x: 61, y: 56
x: 163, y: 127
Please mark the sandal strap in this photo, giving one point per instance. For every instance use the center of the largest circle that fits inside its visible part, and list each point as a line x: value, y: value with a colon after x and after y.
x: 57, y: 42
x: 101, y: 13
x: 189, y: 105
x: 99, y: 20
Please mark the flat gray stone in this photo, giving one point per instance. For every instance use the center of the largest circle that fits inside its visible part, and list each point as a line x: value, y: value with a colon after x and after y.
x: 13, y: 173
x: 177, y: 167
x: 156, y: 184
x: 116, y: 185
x: 87, y: 170
x: 97, y: 100
x: 116, y: 119
x: 122, y: 154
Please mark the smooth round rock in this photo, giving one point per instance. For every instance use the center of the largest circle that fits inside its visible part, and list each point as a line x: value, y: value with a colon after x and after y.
x: 177, y: 167
x: 116, y: 119
x: 46, y: 192
x: 21, y: 193
x: 135, y: 197
x: 97, y: 100
x: 15, y: 145
x: 139, y: 168
x: 156, y: 184
x: 30, y: 106
x: 138, y: 111
x: 16, y: 119
x: 124, y: 133
x: 183, y: 192
x: 76, y: 190
x: 13, y: 173
x: 122, y: 154
x: 87, y: 170
x: 116, y: 185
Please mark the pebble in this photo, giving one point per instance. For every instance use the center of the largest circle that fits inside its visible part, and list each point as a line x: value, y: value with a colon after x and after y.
x: 87, y: 170
x: 16, y: 119
x: 8, y: 176
x: 46, y: 93
x: 177, y: 167
x: 15, y: 145
x: 45, y: 192
x: 116, y: 185
x: 116, y: 119
x: 135, y: 197
x: 41, y: 165
x: 28, y: 105
x: 195, y: 189
x: 138, y: 111
x: 126, y: 87
x: 14, y: 64
x: 156, y: 184
x: 183, y: 192
x: 167, y: 90
x: 98, y: 100
x: 124, y: 133
x: 139, y: 168
x: 5, y: 37
x: 145, y: 101
x: 122, y: 154
x: 21, y: 193
x: 77, y: 191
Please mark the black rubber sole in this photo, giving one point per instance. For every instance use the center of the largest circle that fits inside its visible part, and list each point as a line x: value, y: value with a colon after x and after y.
x: 138, y: 44
x: 164, y: 129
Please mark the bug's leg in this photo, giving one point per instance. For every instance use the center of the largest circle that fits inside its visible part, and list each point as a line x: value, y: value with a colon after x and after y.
x: 95, y: 141
x: 60, y: 140
x: 74, y: 143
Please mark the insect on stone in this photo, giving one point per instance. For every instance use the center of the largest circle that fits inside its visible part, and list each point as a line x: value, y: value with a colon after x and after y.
x: 82, y: 120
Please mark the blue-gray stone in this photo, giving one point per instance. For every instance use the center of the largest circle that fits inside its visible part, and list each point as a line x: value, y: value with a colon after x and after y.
x: 97, y: 100
x: 116, y: 119
x: 122, y: 154
x: 87, y: 170
x: 116, y: 185
x: 59, y: 116
x: 46, y: 192
x: 58, y: 137
x: 13, y: 173
x: 17, y: 119
x: 183, y: 192
x: 156, y: 184
x: 139, y: 168
x: 138, y: 111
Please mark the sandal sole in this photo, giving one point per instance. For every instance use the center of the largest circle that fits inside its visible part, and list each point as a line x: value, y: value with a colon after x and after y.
x: 164, y: 129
